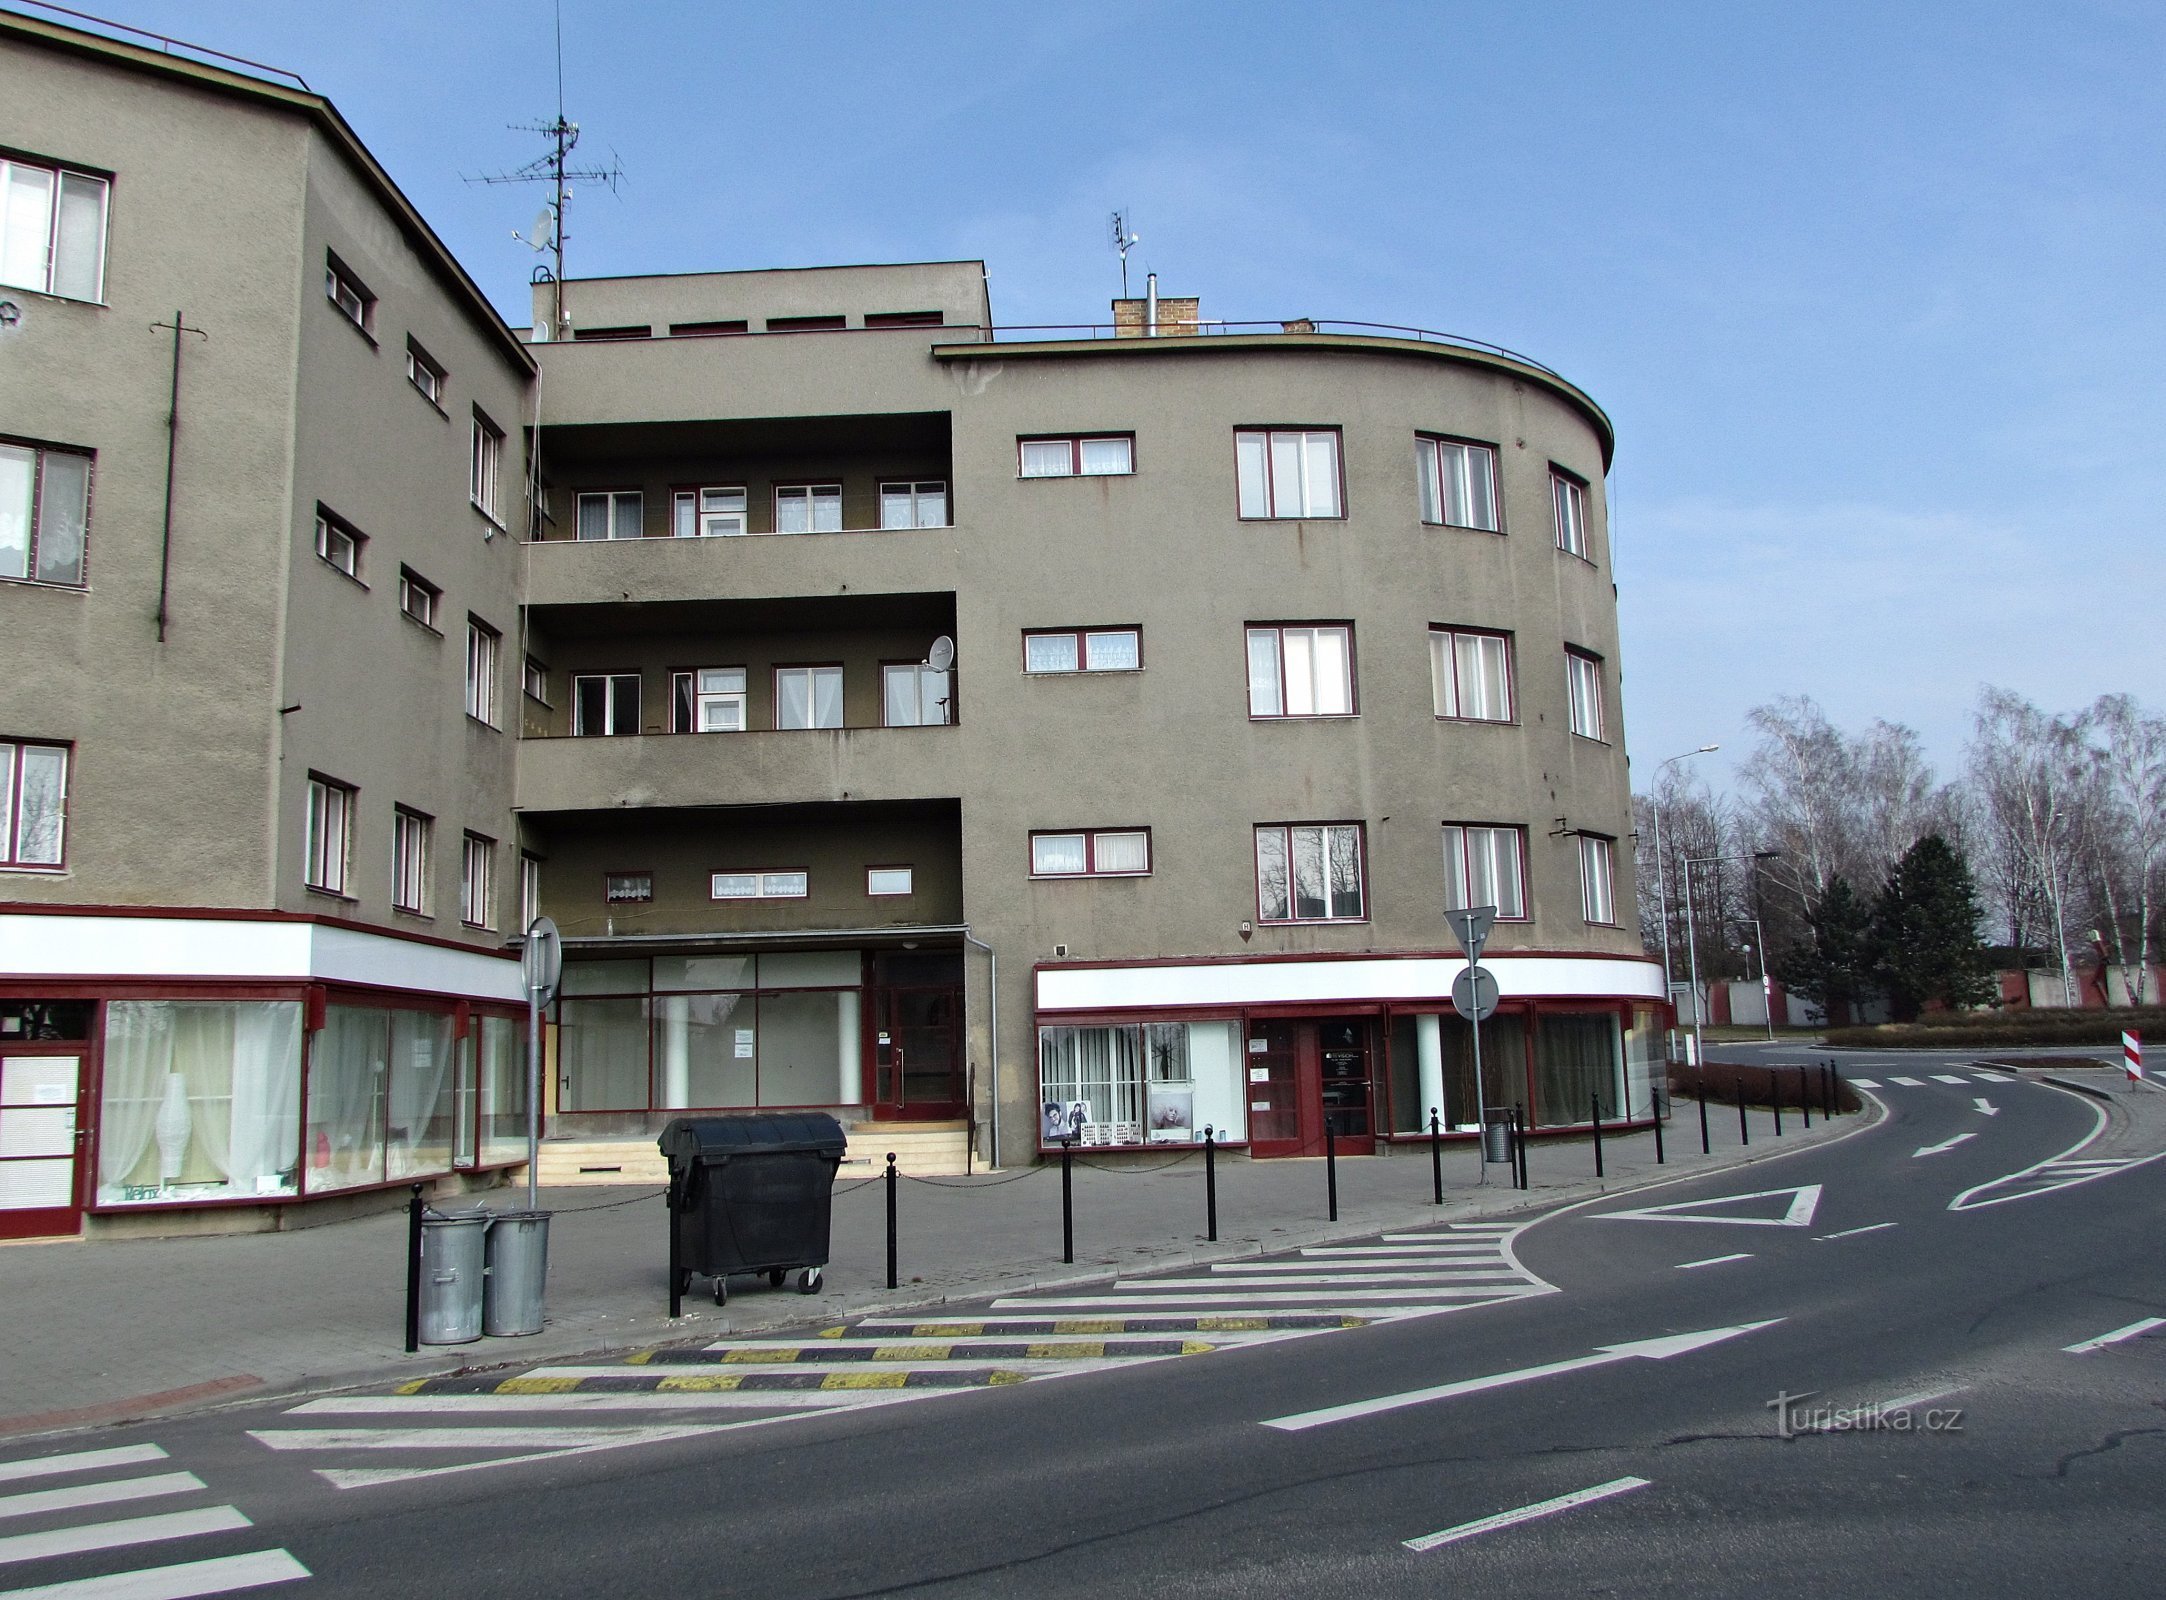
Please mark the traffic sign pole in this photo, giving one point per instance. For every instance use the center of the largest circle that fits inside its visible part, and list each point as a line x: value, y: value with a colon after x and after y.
x: 541, y: 965
x: 1474, y: 996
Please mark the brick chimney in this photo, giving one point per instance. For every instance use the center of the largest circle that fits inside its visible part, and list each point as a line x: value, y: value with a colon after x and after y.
x: 1177, y: 315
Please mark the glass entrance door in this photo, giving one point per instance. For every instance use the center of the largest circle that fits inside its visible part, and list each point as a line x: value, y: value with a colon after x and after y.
x: 1275, y: 1100
x: 1343, y: 1082
x: 1302, y: 1071
x: 40, y: 1137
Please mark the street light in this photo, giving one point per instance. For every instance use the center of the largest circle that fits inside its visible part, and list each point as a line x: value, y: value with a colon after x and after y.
x: 1692, y: 945
x: 1662, y: 882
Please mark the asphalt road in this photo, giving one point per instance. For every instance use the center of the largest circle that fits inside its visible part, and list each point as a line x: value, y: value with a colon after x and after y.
x: 1302, y: 1465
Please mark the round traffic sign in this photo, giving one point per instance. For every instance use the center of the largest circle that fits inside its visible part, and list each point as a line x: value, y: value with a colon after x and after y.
x: 1474, y: 994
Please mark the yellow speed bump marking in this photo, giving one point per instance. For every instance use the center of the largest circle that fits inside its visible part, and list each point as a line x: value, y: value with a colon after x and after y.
x: 702, y: 1383
x: 961, y: 1330
x: 997, y: 1378
x: 864, y: 1380
x: 1232, y: 1324
x: 639, y: 1358
x: 412, y: 1386
x: 1082, y: 1349
x: 1197, y: 1347
x: 833, y: 1333
x: 1100, y: 1325
x: 913, y: 1352
x: 761, y: 1357
x: 533, y: 1385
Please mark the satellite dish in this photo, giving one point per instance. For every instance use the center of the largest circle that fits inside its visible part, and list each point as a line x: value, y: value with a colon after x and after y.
x: 942, y: 655
x: 544, y: 229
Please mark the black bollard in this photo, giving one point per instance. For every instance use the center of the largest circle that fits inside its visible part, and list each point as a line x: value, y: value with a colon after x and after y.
x: 1331, y: 1167
x: 1436, y: 1154
x: 676, y: 1253
x: 1827, y: 1078
x: 413, y: 1270
x: 1597, y: 1099
x: 1804, y: 1099
x: 1067, y: 1202
x: 1210, y: 1183
x: 1705, y: 1147
x: 1654, y: 1096
x: 891, y: 1219
x: 1744, y: 1132
x: 1519, y: 1145
x: 1774, y: 1093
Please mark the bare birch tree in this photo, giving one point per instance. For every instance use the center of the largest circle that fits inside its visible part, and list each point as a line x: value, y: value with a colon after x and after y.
x: 2029, y: 770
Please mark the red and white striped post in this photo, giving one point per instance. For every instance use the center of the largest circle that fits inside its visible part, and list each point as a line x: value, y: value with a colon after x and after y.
x: 2132, y: 1054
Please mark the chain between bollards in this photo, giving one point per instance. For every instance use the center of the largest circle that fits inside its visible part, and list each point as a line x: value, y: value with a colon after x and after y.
x: 891, y: 1187
x: 1067, y: 1202
x: 1436, y: 1154
x: 1331, y: 1167
x: 413, y: 1271
x: 1597, y: 1099
x: 1210, y: 1183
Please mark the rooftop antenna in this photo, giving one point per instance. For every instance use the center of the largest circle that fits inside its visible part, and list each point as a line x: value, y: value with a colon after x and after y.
x: 548, y: 232
x: 1122, y: 239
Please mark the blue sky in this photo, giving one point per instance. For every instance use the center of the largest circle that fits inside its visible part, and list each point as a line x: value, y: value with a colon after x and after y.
x: 1871, y: 292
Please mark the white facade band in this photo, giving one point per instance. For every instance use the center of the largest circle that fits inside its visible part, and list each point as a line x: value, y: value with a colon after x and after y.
x: 1170, y: 985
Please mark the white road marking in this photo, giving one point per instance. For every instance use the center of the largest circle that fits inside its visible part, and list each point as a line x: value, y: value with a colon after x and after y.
x: 1984, y: 1106
x: 1902, y: 1402
x: 1908, y: 1083
x: 534, y: 1439
x: 1265, y: 1277
x: 133, y: 1455
x: 944, y: 1341
x: 115, y: 1535
x: 1541, y: 1508
x: 631, y: 1400
x: 2133, y: 1330
x: 76, y: 1496
x: 1949, y: 1077
x: 1651, y: 1349
x: 1446, y: 1252
x: 1998, y: 1083
x: 1852, y: 1233
x: 1942, y: 1148
x: 1262, y: 1300
x: 1865, y: 1083
x: 1804, y: 1201
x: 184, y: 1581
x: 1715, y: 1261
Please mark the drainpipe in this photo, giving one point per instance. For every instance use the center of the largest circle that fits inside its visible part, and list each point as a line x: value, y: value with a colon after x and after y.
x: 1150, y: 305
x: 994, y: 956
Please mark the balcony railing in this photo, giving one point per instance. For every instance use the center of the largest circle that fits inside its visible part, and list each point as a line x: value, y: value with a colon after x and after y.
x: 727, y: 538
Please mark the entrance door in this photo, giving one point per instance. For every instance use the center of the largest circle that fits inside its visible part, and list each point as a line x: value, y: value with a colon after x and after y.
x: 918, y: 1054
x: 41, y: 1134
x: 1301, y: 1072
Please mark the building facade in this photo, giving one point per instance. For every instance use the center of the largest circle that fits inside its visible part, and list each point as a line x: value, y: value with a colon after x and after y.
x: 1014, y: 735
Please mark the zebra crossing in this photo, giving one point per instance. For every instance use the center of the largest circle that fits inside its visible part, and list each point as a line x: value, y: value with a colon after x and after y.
x: 68, y: 1521
x: 437, y: 1426
x: 2061, y: 1173
x: 1993, y: 1079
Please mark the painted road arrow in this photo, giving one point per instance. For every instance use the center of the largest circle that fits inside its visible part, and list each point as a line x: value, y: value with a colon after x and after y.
x: 1676, y: 1344
x: 1942, y: 1148
x: 1985, y: 1106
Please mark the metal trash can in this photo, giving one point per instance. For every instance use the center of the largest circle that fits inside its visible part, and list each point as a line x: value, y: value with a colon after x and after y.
x: 751, y: 1194
x: 1497, y: 1137
x: 451, y: 1276
x: 516, y: 1274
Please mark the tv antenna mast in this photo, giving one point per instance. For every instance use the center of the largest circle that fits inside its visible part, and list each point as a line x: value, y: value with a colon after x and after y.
x: 1122, y: 239
x: 548, y: 232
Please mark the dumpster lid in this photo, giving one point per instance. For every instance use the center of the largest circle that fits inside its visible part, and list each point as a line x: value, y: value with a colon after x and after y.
x: 772, y: 1132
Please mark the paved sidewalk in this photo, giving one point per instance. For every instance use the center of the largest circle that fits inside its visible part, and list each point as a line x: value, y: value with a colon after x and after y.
x: 105, y: 1332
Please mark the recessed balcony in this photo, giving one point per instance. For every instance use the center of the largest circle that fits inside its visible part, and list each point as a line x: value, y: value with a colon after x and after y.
x: 862, y: 561
x: 787, y: 767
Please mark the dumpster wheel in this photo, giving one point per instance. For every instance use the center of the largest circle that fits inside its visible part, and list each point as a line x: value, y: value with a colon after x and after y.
x: 775, y: 1275
x: 808, y: 1281
x: 721, y: 1289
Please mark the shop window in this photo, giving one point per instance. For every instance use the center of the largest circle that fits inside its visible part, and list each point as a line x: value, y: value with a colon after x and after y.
x: 1577, y: 1058
x: 1155, y: 1083
x: 502, y: 1046
x: 200, y: 1100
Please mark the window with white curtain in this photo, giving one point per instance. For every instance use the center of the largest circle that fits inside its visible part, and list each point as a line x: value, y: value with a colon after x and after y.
x: 52, y: 230
x: 808, y: 508
x: 758, y: 886
x: 1304, y: 671
x: 709, y: 513
x: 1596, y: 859
x: 329, y: 837
x: 914, y: 505
x: 1471, y: 674
x: 1101, y: 852
x: 33, y: 804
x: 1083, y: 650
x: 1287, y: 472
x: 1309, y: 872
x: 808, y: 697
x: 913, y: 695
x: 1077, y: 456
x: 1583, y: 689
x: 199, y: 1100
x: 708, y: 700
x: 1568, y: 500
x: 1458, y: 483
x: 44, y: 513
x: 609, y: 514
x: 410, y: 832
x: 1482, y: 867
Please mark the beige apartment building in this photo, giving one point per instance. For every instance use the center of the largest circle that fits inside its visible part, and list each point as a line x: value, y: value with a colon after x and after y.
x: 993, y: 737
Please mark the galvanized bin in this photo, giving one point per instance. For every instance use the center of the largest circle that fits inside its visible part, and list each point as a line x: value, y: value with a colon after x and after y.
x: 517, y: 1273
x: 452, y: 1264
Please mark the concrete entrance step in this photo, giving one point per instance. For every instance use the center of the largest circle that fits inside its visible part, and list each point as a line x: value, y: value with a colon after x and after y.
x: 922, y: 1149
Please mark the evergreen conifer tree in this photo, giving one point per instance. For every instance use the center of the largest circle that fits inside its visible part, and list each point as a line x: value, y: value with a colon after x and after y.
x: 1835, y: 970
x: 1924, y: 943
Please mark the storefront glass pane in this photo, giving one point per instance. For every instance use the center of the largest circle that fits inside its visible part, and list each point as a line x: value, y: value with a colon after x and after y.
x: 804, y: 1046
x: 602, y: 1053
x: 201, y: 1100
x: 675, y: 973
x: 1091, y: 1084
x: 1643, y: 1061
x: 811, y: 969
x: 1575, y: 1059
x: 604, y: 977
x: 705, y: 1051
x: 348, y: 1073
x: 421, y: 1094
x: 503, y: 1089
x: 1408, y: 1114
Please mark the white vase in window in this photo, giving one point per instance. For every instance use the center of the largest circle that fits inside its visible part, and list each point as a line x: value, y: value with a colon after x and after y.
x: 175, y: 1126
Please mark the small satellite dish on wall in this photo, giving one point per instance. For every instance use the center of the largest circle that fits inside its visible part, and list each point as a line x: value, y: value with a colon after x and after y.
x: 942, y: 655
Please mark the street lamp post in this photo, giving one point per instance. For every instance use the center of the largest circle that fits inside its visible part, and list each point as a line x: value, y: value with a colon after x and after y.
x: 1692, y: 945
x: 1662, y: 881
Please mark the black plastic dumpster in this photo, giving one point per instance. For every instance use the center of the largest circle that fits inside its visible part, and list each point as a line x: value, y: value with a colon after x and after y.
x: 751, y: 1194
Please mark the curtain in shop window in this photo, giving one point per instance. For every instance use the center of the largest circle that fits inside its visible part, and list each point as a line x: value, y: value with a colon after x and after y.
x: 347, y: 1069
x: 138, y: 1055
x: 1575, y: 1058
x: 420, y: 1095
